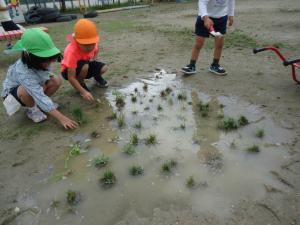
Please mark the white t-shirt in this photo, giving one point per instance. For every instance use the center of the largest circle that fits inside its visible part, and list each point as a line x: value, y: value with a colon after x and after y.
x: 4, y: 15
x: 216, y: 8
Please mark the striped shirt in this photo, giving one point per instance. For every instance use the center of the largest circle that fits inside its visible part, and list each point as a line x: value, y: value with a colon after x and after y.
x: 32, y: 80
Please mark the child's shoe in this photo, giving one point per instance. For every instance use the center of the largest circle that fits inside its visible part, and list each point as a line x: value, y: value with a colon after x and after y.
x: 217, y: 69
x: 35, y: 114
x: 101, y: 82
x: 189, y: 69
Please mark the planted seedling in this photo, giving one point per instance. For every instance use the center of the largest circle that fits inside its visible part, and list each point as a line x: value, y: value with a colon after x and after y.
x: 136, y: 170
x: 134, y: 140
x: 135, y: 90
x: 168, y: 90
x: 182, y: 126
x: 138, y: 125
x: 168, y: 166
x: 120, y: 99
x: 79, y: 115
x: 101, y: 161
x: 190, y: 182
x: 133, y: 99
x: 159, y: 108
x: 181, y: 97
x: 243, y: 121
x: 113, y: 116
x: 163, y: 94
x: 95, y: 134
x: 204, y: 109
x: 150, y: 100
x: 129, y: 149
x: 55, y: 204
x: 121, y: 120
x: 145, y: 87
x: 253, y: 149
x: 108, y: 179
x: 75, y: 150
x: 147, y: 108
x: 73, y: 197
x: 151, y: 139
x: 260, y: 133
x: 228, y: 124
x: 135, y: 112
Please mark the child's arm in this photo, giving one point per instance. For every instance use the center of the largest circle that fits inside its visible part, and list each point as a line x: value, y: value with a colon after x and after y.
x: 65, y: 121
x: 75, y: 83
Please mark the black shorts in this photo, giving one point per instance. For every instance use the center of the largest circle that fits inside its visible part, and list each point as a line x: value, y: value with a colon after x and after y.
x: 14, y: 92
x: 220, y: 25
x: 9, y: 25
x: 94, y: 69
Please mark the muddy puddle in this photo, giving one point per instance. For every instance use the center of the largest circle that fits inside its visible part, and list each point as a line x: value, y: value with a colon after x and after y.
x: 210, y: 169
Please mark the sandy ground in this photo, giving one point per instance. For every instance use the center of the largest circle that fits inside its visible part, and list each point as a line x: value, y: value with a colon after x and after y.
x: 164, y: 40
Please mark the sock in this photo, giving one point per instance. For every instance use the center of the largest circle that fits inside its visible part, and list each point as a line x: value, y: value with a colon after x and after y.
x: 192, y: 62
x: 215, y: 61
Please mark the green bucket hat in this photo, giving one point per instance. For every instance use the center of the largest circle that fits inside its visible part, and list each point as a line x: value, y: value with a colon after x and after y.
x: 36, y: 42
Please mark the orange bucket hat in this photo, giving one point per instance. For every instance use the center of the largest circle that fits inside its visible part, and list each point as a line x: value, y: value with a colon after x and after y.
x: 85, y: 32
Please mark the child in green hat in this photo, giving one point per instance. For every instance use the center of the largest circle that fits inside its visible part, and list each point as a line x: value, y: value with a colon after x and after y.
x: 29, y: 82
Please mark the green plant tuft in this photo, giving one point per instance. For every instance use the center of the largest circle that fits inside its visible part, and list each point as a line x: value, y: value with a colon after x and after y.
x: 136, y: 170
x: 108, y: 180
x: 101, y: 161
x: 151, y: 139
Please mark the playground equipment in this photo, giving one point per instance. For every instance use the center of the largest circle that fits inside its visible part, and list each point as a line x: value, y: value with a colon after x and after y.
x: 295, y: 63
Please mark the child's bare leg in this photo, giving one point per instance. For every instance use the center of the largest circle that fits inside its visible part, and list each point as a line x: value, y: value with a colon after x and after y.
x: 199, y: 41
x: 25, y: 97
x: 219, y: 43
x: 52, y: 85
x: 83, y: 73
x: 103, y: 70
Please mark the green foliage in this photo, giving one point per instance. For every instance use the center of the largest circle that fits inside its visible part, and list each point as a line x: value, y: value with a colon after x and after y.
x: 253, y: 149
x: 129, y: 149
x: 136, y: 170
x: 243, y: 121
x: 108, y: 180
x: 159, y: 108
x: 119, y: 99
x: 151, y: 139
x: 181, y: 97
x: 72, y: 197
x: 133, y: 99
x: 134, y: 140
x: 228, y: 124
x: 138, y: 125
x: 168, y: 166
x: 101, y: 161
x: 260, y: 133
x: 190, y: 182
x: 79, y: 115
x: 121, y: 120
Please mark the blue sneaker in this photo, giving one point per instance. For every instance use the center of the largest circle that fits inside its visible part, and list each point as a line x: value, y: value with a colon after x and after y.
x: 217, y: 69
x: 189, y: 69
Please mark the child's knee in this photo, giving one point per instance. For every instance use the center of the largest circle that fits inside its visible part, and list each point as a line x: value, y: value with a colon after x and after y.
x: 84, y: 71
x: 104, y: 69
x: 56, y: 81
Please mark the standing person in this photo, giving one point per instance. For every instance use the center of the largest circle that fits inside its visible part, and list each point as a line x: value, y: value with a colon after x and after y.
x: 6, y: 22
x: 213, y: 14
x: 29, y: 82
x: 79, y: 61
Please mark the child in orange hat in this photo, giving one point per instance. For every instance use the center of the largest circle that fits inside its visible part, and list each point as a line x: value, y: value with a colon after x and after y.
x: 78, y: 62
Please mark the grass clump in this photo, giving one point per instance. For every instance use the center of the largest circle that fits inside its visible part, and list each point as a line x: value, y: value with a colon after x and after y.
x: 151, y: 139
x: 108, y: 180
x: 260, y: 133
x: 120, y: 99
x: 145, y: 87
x: 159, y: 108
x: 133, y: 99
x: 129, y: 149
x: 146, y: 108
x: 73, y: 197
x: 163, y: 94
x: 204, y: 109
x: 168, y: 166
x: 135, y: 112
x: 181, y: 97
x: 101, y: 161
x: 190, y: 182
x: 182, y: 126
x: 168, y: 90
x: 121, y: 120
x: 75, y: 150
x: 134, y: 140
x: 113, y: 116
x: 79, y: 115
x: 136, y: 170
x: 243, y: 121
x: 253, y: 149
x: 228, y: 124
x: 136, y: 90
x: 138, y: 125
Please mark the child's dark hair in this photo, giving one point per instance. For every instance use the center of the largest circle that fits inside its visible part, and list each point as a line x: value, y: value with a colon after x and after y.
x: 35, y: 62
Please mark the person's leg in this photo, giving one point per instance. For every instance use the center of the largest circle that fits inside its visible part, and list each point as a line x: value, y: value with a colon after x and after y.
x: 24, y: 97
x: 82, y: 73
x: 219, y: 43
x: 201, y: 33
x: 96, y: 70
x: 52, y: 85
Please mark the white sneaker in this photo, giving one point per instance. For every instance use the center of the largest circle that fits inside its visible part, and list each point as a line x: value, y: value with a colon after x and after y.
x: 35, y: 114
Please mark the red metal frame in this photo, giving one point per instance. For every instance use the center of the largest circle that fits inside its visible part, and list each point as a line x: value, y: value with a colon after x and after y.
x: 293, y: 65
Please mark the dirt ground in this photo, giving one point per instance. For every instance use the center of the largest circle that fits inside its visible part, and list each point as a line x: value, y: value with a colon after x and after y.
x: 134, y: 43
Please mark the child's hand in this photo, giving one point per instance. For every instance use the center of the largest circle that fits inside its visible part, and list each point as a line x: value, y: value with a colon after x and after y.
x: 88, y: 96
x: 208, y: 23
x: 230, y: 20
x: 68, y: 123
